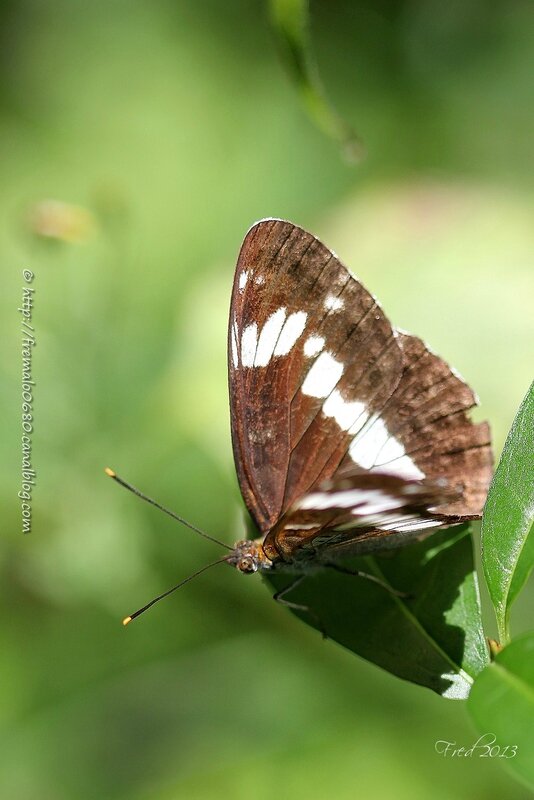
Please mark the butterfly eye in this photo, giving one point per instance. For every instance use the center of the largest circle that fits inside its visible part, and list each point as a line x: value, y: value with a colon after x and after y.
x: 247, y: 564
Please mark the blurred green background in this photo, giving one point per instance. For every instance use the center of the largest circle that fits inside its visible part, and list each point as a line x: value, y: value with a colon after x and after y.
x: 174, y: 126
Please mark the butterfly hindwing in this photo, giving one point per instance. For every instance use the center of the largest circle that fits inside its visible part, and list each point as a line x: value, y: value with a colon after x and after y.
x: 353, y: 507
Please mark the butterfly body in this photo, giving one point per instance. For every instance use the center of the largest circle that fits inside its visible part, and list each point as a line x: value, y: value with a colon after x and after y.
x: 249, y: 557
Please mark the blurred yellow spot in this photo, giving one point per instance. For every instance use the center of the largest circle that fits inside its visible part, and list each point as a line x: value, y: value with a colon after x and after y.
x: 109, y: 472
x: 495, y: 647
x: 53, y: 219
x: 126, y: 620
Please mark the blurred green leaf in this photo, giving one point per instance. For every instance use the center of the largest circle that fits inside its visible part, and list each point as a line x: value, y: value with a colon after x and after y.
x: 291, y: 25
x: 507, y: 542
x: 433, y: 638
x: 502, y: 703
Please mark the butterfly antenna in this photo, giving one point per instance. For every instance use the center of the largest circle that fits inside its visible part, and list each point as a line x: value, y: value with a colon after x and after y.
x: 170, y: 513
x: 140, y: 611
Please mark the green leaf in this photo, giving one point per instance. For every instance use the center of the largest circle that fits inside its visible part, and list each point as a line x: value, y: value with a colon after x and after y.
x: 502, y: 703
x: 507, y: 540
x: 290, y: 21
x: 433, y: 638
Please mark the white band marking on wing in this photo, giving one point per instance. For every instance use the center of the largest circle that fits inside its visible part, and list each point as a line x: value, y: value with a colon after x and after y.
x: 269, y: 337
x: 333, y: 303
x: 249, y: 340
x: 243, y: 278
x: 323, y: 376
x: 293, y: 327
x: 376, y: 441
x: 344, y: 412
x: 233, y: 340
x: 313, y: 345
x: 364, y: 501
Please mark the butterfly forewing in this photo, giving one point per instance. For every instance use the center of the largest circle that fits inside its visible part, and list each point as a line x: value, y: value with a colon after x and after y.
x: 311, y: 356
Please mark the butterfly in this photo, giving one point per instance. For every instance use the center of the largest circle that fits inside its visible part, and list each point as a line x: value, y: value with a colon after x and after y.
x: 349, y: 436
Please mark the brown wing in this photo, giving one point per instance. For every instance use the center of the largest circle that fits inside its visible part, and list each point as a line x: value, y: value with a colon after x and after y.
x: 310, y: 354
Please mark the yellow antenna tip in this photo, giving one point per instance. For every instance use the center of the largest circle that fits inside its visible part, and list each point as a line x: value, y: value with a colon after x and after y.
x: 126, y: 620
x: 110, y: 472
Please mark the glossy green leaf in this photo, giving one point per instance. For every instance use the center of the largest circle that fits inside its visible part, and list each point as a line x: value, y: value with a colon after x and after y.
x: 502, y: 706
x: 433, y: 637
x: 290, y: 21
x: 507, y: 540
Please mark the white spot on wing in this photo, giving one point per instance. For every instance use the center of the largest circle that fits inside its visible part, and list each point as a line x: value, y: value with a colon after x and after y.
x: 376, y: 441
x: 358, y: 424
x: 249, y: 340
x: 323, y: 376
x: 333, y: 303
x: 404, y: 467
x: 392, y: 521
x: 269, y: 337
x: 243, y: 278
x: 392, y: 448
x: 344, y: 412
x: 415, y: 525
x: 293, y: 327
x: 260, y: 280
x: 313, y: 345
x: 233, y: 341
x: 363, y: 501
x: 364, y: 448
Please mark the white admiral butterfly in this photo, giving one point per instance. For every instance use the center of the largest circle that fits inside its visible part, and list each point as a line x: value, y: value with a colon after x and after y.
x: 349, y: 436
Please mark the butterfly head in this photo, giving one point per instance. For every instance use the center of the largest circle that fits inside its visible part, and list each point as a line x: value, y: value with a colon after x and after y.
x: 248, y: 556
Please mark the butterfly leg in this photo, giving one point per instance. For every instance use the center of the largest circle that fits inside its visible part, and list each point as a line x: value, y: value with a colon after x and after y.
x: 279, y: 597
x: 369, y: 577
